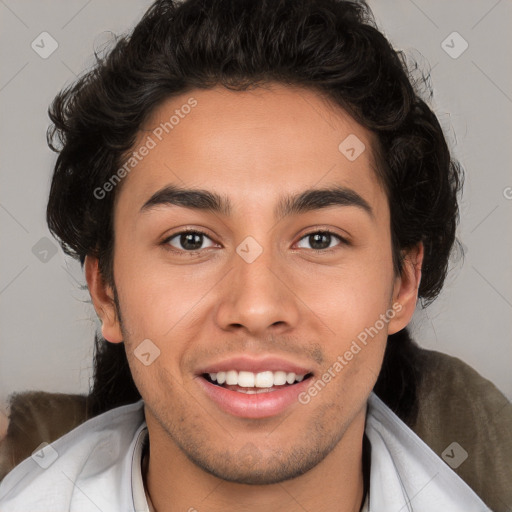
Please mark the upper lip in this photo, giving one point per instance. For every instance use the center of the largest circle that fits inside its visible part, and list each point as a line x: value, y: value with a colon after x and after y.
x: 255, y: 365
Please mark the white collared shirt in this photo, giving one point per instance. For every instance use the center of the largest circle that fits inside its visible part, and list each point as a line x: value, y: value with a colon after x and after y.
x: 97, y: 466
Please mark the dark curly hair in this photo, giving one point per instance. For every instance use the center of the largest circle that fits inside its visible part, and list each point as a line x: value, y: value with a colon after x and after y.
x: 330, y: 46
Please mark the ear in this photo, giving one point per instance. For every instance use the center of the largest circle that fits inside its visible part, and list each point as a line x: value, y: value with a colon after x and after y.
x: 405, y: 290
x: 102, y: 297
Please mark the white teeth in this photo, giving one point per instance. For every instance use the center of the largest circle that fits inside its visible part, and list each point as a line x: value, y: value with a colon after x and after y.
x: 280, y: 378
x: 246, y: 379
x: 263, y: 380
x: 232, y: 378
x: 254, y: 391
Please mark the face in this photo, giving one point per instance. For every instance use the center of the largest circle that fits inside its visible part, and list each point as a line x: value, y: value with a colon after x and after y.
x: 256, y: 290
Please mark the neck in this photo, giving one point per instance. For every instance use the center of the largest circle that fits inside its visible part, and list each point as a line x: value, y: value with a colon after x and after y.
x: 337, y: 484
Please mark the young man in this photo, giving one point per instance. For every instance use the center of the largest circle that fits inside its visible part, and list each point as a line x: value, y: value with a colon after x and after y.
x: 258, y: 197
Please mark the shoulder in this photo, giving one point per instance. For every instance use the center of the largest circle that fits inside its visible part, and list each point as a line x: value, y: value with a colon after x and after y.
x: 34, y: 417
x: 90, y: 456
x: 467, y: 421
x: 402, y: 464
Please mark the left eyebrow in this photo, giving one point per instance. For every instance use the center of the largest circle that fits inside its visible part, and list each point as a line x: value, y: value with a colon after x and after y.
x: 291, y: 204
x: 318, y: 198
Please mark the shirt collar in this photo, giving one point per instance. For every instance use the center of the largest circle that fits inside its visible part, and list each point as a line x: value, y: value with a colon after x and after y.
x: 139, y: 495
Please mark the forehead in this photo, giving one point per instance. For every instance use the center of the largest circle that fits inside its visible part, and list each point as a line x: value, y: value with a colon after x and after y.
x: 252, y: 146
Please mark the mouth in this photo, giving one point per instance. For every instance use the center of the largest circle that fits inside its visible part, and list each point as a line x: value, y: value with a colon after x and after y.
x: 254, y: 395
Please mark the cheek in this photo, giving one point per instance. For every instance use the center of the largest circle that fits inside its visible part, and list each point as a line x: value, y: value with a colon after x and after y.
x: 351, y: 297
x: 354, y: 303
x: 155, y: 295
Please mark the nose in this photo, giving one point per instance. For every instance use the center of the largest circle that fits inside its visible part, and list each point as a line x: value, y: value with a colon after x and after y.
x: 258, y: 296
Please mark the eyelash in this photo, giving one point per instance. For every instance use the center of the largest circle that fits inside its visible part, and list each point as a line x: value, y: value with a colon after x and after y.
x: 165, y: 242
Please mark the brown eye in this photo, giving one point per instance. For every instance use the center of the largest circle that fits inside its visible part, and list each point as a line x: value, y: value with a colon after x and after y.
x: 187, y: 241
x: 322, y: 240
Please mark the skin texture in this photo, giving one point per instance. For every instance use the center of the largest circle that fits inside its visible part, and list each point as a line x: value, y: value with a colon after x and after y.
x: 307, y: 307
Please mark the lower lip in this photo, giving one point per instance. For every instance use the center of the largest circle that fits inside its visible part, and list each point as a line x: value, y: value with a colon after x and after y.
x: 259, y: 405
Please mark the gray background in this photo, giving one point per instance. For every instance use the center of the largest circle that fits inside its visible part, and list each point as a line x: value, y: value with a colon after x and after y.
x: 47, y: 325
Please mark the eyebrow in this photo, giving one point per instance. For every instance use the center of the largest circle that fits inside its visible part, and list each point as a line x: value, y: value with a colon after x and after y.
x: 291, y: 204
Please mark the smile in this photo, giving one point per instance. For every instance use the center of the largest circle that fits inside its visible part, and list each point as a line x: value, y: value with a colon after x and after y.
x: 254, y: 395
